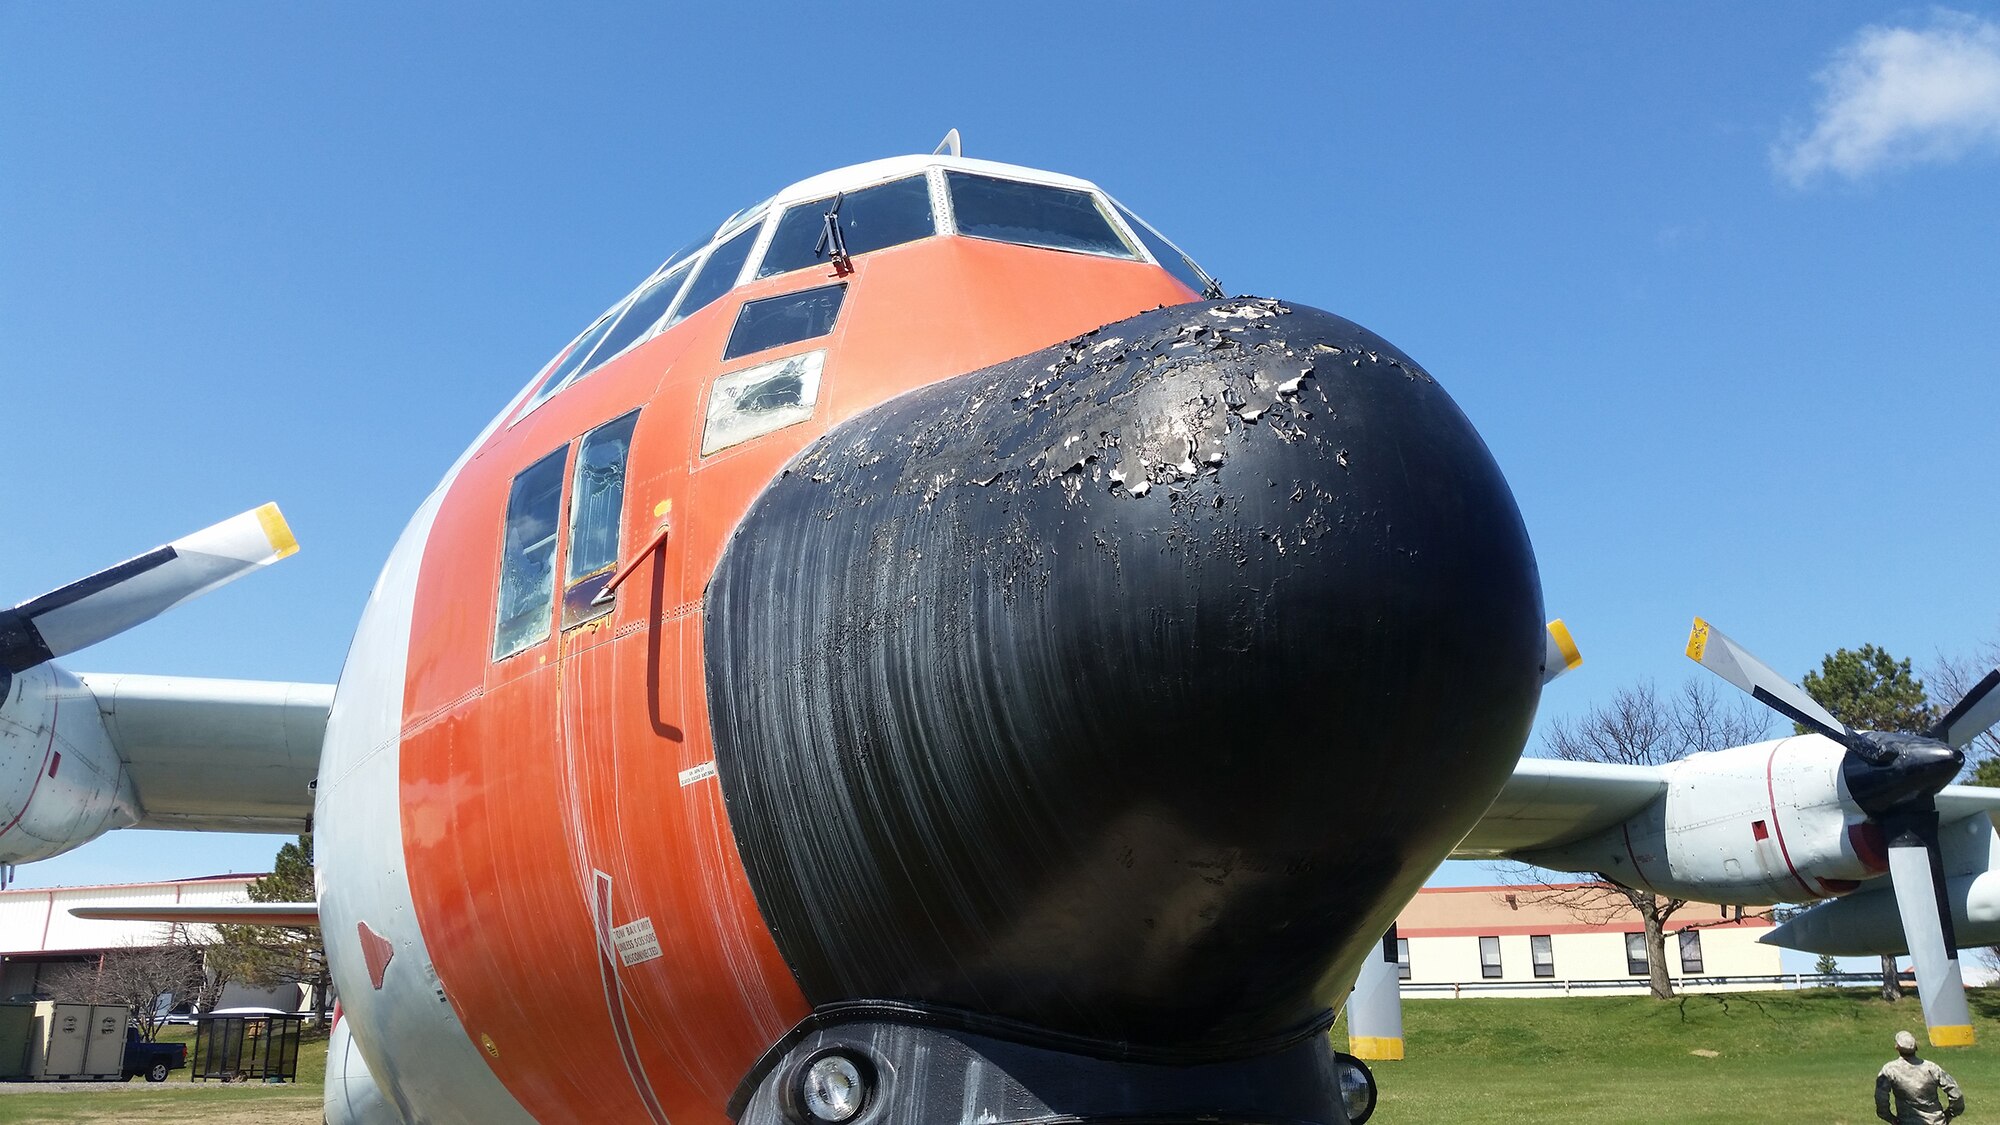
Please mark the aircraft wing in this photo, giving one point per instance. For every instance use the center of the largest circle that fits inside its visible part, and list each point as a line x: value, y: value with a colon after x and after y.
x: 1956, y: 802
x: 216, y: 755
x: 1548, y: 803
x: 295, y: 914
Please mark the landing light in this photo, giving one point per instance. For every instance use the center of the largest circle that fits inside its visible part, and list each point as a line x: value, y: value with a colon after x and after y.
x: 833, y: 1089
x: 1357, y: 1088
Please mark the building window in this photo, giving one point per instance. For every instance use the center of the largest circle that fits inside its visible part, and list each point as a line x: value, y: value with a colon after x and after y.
x: 1402, y: 958
x: 1635, y: 955
x: 1489, y: 957
x: 1691, y: 951
x: 1542, y: 949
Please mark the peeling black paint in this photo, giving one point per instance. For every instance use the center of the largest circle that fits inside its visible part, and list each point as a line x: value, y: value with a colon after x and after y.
x: 1128, y: 688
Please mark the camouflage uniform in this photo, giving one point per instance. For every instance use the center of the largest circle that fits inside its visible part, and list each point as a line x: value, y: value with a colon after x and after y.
x: 1917, y: 1084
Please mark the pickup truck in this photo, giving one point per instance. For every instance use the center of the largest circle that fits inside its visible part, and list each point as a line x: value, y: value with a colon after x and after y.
x: 153, y: 1060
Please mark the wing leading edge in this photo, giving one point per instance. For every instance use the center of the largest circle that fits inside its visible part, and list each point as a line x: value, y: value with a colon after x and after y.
x: 1548, y: 802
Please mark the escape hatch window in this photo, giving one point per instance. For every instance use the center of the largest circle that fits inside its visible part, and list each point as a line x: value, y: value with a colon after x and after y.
x: 1691, y: 951
x: 1173, y: 261
x: 528, y: 556
x: 717, y: 275
x: 596, y: 509
x: 1542, y: 951
x: 784, y: 319
x: 874, y: 218
x: 1489, y: 957
x: 757, y: 400
x: 1635, y: 955
x: 1034, y: 215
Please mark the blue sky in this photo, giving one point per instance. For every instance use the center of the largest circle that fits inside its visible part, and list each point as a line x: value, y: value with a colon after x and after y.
x: 1720, y: 286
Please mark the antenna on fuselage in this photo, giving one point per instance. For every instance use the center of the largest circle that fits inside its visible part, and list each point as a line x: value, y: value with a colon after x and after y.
x: 948, y: 146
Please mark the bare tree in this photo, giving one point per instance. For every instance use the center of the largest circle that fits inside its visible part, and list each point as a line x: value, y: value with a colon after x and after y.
x: 1950, y: 677
x: 1639, y: 728
x: 134, y: 976
x: 202, y: 943
x: 270, y: 956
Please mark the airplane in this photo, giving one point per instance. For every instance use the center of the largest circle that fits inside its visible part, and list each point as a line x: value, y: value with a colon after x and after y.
x: 924, y: 654
x: 1820, y: 817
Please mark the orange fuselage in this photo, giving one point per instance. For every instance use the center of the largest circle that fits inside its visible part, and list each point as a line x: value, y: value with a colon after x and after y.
x: 529, y: 782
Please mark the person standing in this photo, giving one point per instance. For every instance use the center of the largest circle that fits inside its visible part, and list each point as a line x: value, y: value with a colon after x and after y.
x: 1924, y: 1093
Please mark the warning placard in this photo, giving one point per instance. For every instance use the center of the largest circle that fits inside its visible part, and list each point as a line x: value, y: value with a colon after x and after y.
x: 636, y: 942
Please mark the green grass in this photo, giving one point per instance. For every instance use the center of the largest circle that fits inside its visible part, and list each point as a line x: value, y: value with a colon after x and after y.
x: 1781, y: 1057
x: 1806, y: 1056
x: 180, y: 1101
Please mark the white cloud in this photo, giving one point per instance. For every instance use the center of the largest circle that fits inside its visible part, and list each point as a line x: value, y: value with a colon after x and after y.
x: 1897, y: 96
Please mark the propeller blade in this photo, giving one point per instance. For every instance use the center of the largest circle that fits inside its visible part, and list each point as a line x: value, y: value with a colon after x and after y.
x: 139, y: 589
x: 1375, y: 1007
x: 1559, y: 656
x: 1979, y: 709
x: 1717, y: 653
x: 1917, y: 874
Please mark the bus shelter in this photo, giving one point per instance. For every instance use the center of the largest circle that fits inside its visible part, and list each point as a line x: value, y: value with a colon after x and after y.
x: 258, y: 1046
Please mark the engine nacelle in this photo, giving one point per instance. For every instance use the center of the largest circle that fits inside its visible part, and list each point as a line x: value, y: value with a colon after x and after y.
x: 353, y: 1097
x: 1870, y: 923
x: 62, y: 783
x: 1764, y: 823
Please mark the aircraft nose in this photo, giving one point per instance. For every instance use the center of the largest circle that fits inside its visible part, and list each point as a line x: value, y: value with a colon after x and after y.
x: 1126, y: 689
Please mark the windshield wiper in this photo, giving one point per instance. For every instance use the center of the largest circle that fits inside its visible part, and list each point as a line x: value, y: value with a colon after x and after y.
x: 832, y: 242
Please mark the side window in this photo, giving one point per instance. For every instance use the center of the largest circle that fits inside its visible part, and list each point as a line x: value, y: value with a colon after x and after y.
x: 565, y: 368
x: 1171, y: 260
x: 784, y: 319
x: 1489, y: 957
x: 528, y: 556
x: 1402, y: 958
x: 596, y: 509
x: 1033, y: 215
x: 717, y: 276
x: 870, y: 219
x: 639, y: 317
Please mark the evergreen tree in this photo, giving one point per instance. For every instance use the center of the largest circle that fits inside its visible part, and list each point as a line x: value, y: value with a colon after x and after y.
x: 1868, y: 689
x: 271, y: 956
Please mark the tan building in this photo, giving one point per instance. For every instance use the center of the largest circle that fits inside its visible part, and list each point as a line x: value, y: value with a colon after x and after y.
x: 1569, y: 939
x: 38, y: 934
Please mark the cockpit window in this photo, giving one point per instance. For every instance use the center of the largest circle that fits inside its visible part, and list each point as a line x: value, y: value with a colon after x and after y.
x: 717, y: 275
x: 566, y: 368
x: 528, y: 556
x: 1033, y: 215
x: 1171, y: 260
x: 873, y: 218
x: 637, y: 319
x: 784, y: 319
